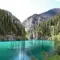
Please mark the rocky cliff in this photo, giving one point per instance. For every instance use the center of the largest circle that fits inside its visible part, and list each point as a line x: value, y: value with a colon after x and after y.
x: 35, y: 19
x: 31, y: 22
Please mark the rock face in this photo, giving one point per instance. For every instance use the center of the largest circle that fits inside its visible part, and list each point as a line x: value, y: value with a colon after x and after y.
x: 10, y: 27
x: 35, y: 19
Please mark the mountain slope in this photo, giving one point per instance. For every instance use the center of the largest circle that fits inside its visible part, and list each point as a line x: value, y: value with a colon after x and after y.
x: 49, y: 29
x: 10, y: 26
x: 35, y: 19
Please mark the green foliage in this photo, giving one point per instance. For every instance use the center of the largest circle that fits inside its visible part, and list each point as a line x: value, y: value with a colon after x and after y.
x: 8, y: 25
x: 33, y: 58
x: 44, y: 55
x: 54, y: 57
x: 49, y: 28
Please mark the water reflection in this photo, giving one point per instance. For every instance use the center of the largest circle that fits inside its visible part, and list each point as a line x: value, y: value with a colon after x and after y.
x: 22, y: 56
x: 23, y: 50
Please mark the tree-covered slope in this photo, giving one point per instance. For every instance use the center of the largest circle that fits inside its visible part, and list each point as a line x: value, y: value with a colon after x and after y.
x: 35, y: 19
x: 49, y: 28
x: 10, y: 26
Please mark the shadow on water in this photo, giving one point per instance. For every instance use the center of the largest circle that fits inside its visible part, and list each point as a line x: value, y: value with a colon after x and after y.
x: 23, y: 50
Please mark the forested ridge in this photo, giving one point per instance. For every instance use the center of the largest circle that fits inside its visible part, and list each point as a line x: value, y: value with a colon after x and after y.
x: 10, y: 27
x: 49, y: 28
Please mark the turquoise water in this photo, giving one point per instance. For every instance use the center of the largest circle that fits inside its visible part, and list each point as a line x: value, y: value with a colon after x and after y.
x: 23, y: 50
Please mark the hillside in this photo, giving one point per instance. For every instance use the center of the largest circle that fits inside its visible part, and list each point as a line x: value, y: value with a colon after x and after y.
x: 35, y: 19
x: 10, y: 27
x: 49, y: 29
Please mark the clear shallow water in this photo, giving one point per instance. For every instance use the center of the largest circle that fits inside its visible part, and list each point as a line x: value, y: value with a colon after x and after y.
x: 22, y: 56
x: 23, y: 50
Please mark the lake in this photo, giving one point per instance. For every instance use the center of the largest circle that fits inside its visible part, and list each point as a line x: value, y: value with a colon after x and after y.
x: 24, y: 50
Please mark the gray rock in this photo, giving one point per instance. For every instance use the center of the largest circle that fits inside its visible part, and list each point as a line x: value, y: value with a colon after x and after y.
x: 35, y: 19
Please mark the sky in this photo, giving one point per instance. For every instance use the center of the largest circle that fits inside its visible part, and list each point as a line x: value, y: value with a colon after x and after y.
x: 22, y: 9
